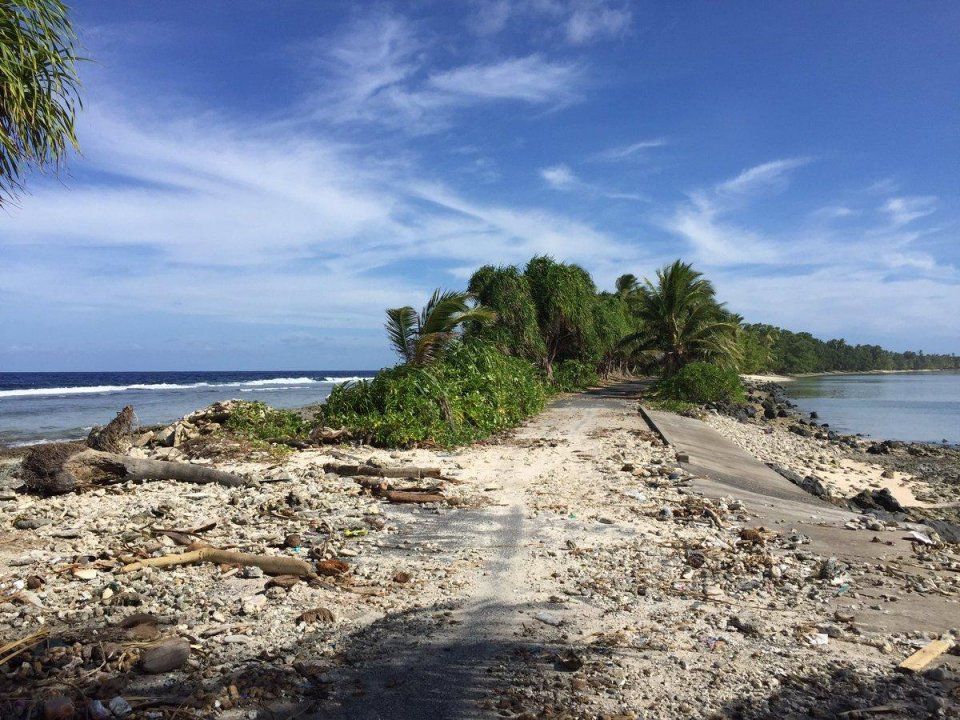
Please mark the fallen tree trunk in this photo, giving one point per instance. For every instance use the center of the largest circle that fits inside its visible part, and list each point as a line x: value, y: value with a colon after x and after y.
x: 390, y: 472
x: 274, y: 565
x: 60, y: 468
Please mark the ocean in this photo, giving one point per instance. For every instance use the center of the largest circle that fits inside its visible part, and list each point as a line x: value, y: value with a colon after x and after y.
x: 918, y: 407
x: 36, y: 407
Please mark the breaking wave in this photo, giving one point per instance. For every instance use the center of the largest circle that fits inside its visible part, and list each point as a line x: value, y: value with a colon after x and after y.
x: 282, y: 383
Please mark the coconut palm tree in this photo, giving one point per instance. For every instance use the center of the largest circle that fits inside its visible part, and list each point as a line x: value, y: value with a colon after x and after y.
x: 421, y: 339
x: 682, y: 321
x: 38, y: 89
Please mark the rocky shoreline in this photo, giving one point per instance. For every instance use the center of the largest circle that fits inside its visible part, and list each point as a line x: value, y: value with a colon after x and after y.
x: 918, y: 481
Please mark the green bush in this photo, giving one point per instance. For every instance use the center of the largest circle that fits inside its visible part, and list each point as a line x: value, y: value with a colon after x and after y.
x: 572, y: 375
x: 701, y: 382
x: 259, y: 421
x: 473, y: 391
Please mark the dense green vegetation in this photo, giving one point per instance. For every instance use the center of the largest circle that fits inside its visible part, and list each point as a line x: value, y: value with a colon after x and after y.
x: 258, y: 421
x: 38, y: 89
x: 476, y: 362
x: 701, y: 382
x: 469, y: 392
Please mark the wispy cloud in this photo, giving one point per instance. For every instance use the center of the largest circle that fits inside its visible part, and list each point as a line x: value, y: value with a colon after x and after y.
x: 381, y: 71
x: 531, y: 79
x: 577, y: 22
x: 904, y: 210
x: 628, y: 152
x: 769, y: 175
x: 594, y: 20
x: 704, y: 222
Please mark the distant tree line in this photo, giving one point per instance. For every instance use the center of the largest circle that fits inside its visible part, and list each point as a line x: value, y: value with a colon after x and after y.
x: 770, y: 348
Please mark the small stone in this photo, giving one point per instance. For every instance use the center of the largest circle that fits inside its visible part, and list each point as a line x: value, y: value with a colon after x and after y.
x: 401, y: 577
x: 293, y: 540
x: 120, y: 707
x: 85, y: 573
x: 98, y: 711
x: 30, y: 523
x: 316, y: 615
x: 251, y: 572
x: 165, y: 657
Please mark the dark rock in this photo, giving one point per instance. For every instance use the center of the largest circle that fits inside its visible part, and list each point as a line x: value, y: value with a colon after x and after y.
x: 811, y: 483
x: 747, y: 624
x: 877, y: 500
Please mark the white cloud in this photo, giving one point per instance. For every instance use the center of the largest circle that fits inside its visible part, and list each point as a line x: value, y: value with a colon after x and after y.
x: 904, y: 210
x: 627, y: 152
x: 592, y: 21
x: 559, y: 177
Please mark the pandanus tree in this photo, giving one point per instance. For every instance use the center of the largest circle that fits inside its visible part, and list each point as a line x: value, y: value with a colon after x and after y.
x: 421, y: 338
x: 681, y: 321
x: 38, y: 89
x: 564, y: 297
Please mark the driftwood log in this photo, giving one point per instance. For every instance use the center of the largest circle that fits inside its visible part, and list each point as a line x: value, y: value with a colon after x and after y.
x: 117, y: 436
x: 387, y: 472
x: 60, y: 468
x: 271, y: 564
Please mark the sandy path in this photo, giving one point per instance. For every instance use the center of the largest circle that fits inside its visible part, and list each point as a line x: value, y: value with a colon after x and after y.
x: 408, y: 669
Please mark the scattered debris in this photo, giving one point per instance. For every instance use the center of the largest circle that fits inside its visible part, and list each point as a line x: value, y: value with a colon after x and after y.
x: 926, y: 655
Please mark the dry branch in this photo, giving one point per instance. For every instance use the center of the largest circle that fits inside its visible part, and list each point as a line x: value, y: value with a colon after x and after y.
x: 389, y: 472
x: 401, y: 496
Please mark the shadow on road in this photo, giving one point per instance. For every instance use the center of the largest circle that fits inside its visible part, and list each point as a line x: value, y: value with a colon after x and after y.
x: 846, y: 692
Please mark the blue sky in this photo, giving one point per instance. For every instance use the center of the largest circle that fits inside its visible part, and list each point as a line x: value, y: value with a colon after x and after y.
x: 259, y: 180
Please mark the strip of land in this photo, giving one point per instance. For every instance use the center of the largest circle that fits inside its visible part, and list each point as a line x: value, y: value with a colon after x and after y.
x: 578, y: 568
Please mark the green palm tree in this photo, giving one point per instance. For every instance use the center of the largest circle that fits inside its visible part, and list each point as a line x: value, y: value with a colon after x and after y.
x: 38, y: 89
x: 421, y: 339
x: 682, y: 321
x: 627, y: 284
